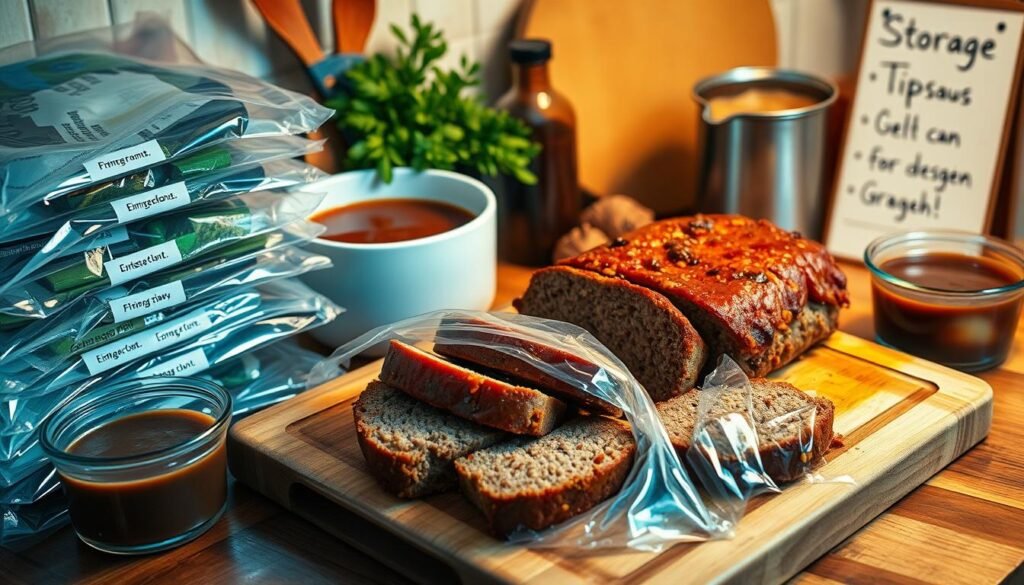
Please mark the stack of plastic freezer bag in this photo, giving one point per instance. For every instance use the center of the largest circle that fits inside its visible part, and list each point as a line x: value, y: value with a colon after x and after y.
x: 152, y: 223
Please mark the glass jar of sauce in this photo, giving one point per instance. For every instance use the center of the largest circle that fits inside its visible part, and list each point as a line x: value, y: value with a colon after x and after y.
x: 949, y: 297
x: 143, y: 462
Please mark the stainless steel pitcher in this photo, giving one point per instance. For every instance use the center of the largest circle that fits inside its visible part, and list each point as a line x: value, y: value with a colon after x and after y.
x: 768, y: 164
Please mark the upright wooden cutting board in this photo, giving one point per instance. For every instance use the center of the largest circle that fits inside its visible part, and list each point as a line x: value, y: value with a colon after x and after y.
x: 902, y: 419
x: 629, y: 68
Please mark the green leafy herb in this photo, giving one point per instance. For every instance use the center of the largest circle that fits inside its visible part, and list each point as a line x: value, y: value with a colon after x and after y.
x: 406, y: 111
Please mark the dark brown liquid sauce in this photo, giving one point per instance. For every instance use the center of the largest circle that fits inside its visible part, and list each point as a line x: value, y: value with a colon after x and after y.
x: 975, y: 334
x: 951, y: 272
x: 379, y: 221
x: 137, y: 511
x: 142, y: 433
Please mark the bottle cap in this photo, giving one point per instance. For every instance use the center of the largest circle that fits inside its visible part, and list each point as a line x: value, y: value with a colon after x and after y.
x: 530, y: 51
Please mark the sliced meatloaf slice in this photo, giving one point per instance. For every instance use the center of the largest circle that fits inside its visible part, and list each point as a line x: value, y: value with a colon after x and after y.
x: 754, y: 291
x: 480, y: 349
x: 643, y: 328
x: 471, y: 395
x: 794, y: 429
x: 535, y: 483
x: 409, y: 446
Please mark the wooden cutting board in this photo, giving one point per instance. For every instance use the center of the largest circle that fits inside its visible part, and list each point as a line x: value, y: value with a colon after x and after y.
x: 629, y: 68
x: 903, y: 419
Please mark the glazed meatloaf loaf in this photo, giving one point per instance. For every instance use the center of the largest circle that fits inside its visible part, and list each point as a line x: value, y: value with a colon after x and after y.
x: 753, y: 291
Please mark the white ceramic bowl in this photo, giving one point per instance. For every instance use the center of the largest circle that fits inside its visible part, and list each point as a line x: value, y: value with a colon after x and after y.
x: 379, y: 284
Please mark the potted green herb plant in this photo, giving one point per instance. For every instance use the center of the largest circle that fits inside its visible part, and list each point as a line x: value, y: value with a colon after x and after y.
x: 406, y: 111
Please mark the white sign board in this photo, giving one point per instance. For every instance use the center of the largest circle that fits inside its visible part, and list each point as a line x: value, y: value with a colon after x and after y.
x: 926, y: 129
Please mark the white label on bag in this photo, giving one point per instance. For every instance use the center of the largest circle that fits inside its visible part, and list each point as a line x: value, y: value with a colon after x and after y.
x: 125, y: 160
x: 148, y: 301
x: 146, y: 342
x: 151, y: 202
x: 143, y: 262
x: 188, y: 364
x: 112, y: 236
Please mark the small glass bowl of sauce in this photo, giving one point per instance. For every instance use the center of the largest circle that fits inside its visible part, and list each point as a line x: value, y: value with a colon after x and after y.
x: 949, y: 297
x: 143, y: 462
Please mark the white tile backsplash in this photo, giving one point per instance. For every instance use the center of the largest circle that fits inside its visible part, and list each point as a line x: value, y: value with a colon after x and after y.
x: 492, y: 50
x: 456, y: 17
x: 495, y: 16
x: 456, y: 49
x: 785, y: 29
x: 15, y: 23
x: 53, y: 18
x: 388, y: 12
x: 231, y: 33
x: 175, y: 13
x: 826, y: 36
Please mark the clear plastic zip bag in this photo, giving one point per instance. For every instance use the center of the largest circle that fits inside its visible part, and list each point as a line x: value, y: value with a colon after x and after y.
x: 26, y: 524
x: 154, y: 190
x: 25, y: 458
x: 32, y: 488
x: 784, y: 442
x: 119, y: 256
x: 45, y: 346
x: 23, y: 258
x: 283, y: 374
x: 252, y: 262
x: 277, y: 321
x: 658, y: 504
x: 38, y: 373
x: 286, y: 308
x: 75, y: 119
x: 32, y: 508
x: 259, y: 378
x: 137, y: 298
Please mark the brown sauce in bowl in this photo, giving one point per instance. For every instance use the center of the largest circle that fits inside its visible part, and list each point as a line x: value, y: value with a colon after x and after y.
x: 142, y: 433
x: 951, y: 272
x: 378, y: 221
x: 979, y: 331
x: 136, y: 511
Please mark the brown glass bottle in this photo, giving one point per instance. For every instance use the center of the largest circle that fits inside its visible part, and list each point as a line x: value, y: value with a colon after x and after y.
x: 531, y: 218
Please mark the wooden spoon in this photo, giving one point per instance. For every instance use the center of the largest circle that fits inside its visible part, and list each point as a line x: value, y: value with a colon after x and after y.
x: 353, y: 20
x: 288, y: 19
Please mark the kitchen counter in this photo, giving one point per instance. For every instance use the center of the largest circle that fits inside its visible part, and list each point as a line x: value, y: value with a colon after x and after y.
x: 964, y: 525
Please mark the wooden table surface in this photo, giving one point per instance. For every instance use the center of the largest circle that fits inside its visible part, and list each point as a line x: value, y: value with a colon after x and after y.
x: 965, y: 525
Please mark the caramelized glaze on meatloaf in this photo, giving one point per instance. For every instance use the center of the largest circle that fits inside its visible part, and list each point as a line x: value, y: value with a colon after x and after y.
x: 752, y: 290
